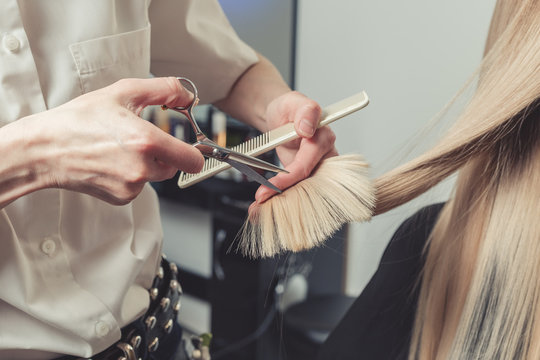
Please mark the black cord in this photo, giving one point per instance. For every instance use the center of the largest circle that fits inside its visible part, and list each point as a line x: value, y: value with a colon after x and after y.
x: 269, y: 317
x: 291, y: 265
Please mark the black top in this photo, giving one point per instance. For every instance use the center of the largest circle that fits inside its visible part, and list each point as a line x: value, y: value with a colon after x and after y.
x: 378, y: 325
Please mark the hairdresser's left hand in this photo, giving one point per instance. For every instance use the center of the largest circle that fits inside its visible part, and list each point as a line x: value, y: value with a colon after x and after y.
x: 300, y: 156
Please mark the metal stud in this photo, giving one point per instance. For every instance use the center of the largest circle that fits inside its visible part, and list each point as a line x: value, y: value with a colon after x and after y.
x: 168, y: 326
x: 165, y: 302
x: 174, y: 268
x: 174, y: 284
x: 154, y: 292
x: 136, y: 341
x: 180, y: 291
x: 153, y: 345
x: 127, y: 349
x: 160, y: 273
x: 150, y: 322
x: 177, y: 306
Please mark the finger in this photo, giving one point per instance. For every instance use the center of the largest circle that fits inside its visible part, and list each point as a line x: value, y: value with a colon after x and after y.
x: 136, y: 94
x: 308, y: 156
x: 174, y: 152
x: 160, y: 171
x: 306, y: 118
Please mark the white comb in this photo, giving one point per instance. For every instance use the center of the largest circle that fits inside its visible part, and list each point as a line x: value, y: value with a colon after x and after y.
x: 273, y: 138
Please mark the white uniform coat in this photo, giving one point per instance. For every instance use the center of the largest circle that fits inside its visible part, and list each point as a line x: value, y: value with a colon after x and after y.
x: 74, y: 269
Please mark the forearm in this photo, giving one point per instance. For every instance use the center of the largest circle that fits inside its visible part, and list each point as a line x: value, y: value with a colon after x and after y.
x: 254, y: 90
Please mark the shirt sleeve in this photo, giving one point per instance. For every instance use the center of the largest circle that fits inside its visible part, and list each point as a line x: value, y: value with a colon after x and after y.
x: 194, y: 39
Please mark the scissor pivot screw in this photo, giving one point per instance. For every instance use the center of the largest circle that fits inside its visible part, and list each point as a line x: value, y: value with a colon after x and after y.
x: 218, y: 154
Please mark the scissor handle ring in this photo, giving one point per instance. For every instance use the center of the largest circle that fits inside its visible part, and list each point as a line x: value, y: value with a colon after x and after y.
x: 193, y: 90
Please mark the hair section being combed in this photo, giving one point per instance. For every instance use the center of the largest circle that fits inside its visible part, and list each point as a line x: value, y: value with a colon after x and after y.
x: 303, y: 216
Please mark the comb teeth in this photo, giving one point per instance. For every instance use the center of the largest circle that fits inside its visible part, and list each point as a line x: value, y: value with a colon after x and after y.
x: 212, y: 166
x: 252, y: 145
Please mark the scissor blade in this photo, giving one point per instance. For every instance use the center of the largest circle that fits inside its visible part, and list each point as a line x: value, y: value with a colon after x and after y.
x: 253, y: 161
x: 252, y: 174
x: 209, y: 148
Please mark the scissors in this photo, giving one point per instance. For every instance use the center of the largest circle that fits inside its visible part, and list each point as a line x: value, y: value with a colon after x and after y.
x: 242, y: 162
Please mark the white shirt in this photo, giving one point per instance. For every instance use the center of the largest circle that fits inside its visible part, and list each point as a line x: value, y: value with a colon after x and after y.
x: 73, y: 269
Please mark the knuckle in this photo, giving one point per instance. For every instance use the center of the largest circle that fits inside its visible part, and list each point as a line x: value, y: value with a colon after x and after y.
x: 313, y: 106
x: 133, y: 170
x: 119, y: 89
x: 137, y: 175
x: 306, y: 103
x: 331, y: 137
x: 122, y: 85
x: 141, y: 142
x: 326, y: 137
x: 126, y: 83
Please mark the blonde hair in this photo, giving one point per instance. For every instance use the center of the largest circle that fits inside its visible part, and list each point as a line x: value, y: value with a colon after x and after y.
x: 480, y: 288
x: 305, y: 215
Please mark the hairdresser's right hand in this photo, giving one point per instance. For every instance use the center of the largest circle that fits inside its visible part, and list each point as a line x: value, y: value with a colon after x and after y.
x: 97, y: 143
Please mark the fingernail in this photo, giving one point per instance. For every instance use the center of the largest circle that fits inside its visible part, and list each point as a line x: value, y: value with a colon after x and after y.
x: 306, y: 128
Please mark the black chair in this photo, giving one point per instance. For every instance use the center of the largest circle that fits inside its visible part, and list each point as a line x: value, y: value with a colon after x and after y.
x: 307, y: 324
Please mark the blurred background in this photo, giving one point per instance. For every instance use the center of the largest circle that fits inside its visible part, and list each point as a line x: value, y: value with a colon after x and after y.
x: 411, y: 58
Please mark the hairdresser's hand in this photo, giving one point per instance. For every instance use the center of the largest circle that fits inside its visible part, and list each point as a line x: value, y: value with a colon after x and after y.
x: 97, y: 144
x: 302, y: 155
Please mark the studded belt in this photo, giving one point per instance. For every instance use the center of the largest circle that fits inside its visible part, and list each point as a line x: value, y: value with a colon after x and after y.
x: 141, y: 339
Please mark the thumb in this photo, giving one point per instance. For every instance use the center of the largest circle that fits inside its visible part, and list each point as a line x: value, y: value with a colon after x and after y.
x: 306, y: 119
x: 136, y: 94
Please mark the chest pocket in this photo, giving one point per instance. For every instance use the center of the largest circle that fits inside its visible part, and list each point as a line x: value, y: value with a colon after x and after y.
x: 105, y: 60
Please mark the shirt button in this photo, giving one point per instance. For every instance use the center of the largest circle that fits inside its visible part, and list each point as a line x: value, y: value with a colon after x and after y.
x: 11, y: 43
x: 48, y: 246
x: 102, y: 328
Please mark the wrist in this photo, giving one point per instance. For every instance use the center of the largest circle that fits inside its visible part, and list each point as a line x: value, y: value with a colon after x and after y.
x: 23, y: 168
x: 253, y: 94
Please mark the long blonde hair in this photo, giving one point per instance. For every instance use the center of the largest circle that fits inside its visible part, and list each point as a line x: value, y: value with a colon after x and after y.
x: 480, y: 288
